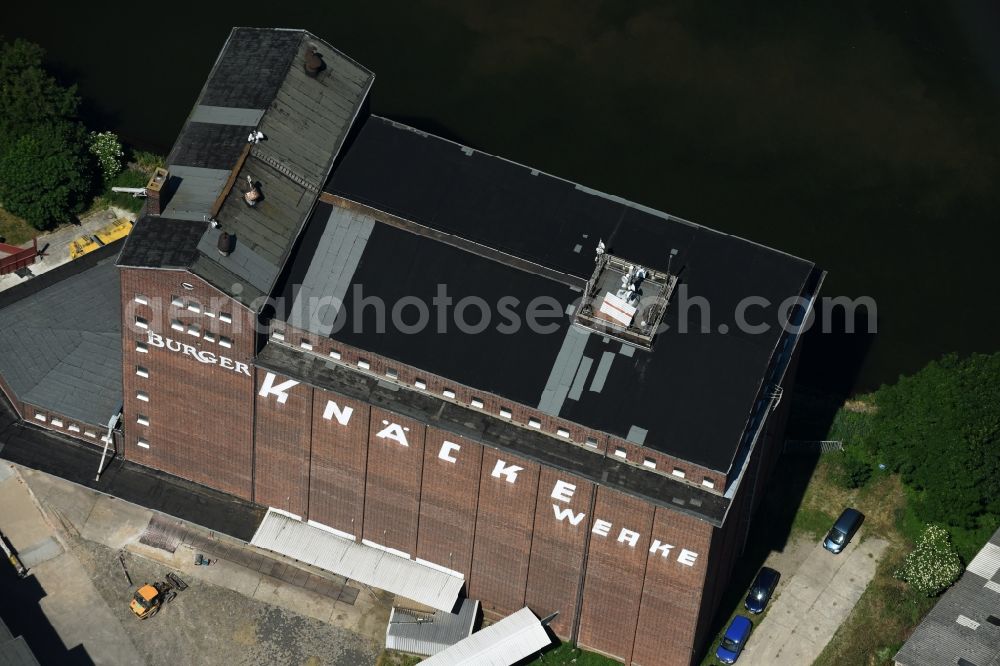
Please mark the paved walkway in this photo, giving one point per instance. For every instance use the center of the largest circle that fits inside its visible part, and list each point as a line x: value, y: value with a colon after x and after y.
x: 812, y: 604
x: 55, y: 245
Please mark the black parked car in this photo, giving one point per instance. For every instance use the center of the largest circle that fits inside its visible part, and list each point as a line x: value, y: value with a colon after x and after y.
x: 761, y: 590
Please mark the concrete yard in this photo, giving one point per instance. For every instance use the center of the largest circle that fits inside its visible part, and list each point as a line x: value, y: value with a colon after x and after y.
x: 73, y: 607
x: 812, y: 603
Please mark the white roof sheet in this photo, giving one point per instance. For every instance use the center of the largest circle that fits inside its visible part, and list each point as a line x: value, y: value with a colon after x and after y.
x: 502, y: 644
x: 420, y: 634
x: 401, y: 576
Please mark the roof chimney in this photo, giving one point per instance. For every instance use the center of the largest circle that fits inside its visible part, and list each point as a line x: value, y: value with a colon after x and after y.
x: 313, y: 63
x: 226, y: 244
x: 154, y: 191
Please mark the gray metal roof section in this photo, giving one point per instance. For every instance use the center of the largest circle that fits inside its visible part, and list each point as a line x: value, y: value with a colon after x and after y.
x: 259, y: 81
x: 506, y: 642
x: 243, y: 261
x: 226, y: 115
x: 386, y: 571
x: 427, y: 634
x: 197, y: 188
x: 62, y: 345
x: 161, y: 242
x: 942, y: 638
x: 637, y: 435
x: 601, y: 374
x: 330, y: 272
x: 565, y: 370
x: 576, y: 390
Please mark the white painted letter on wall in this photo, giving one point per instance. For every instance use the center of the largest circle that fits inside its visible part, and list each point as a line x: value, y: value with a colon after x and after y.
x: 333, y: 410
x: 395, y: 432
x: 446, y: 449
x: 563, y: 492
x: 281, y: 390
x: 508, y: 471
x: 567, y: 514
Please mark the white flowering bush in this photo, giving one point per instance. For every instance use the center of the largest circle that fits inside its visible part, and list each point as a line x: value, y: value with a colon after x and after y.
x: 108, y: 150
x: 933, y: 565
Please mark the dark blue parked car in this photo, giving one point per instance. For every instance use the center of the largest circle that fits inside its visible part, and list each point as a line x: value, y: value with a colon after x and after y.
x: 761, y: 590
x: 735, y: 638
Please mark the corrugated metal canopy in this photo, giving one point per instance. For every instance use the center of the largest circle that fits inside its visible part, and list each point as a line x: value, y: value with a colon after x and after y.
x: 413, y: 632
x: 371, y: 566
x: 502, y: 644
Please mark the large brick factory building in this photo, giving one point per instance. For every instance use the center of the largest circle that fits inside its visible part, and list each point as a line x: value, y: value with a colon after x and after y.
x: 521, y: 390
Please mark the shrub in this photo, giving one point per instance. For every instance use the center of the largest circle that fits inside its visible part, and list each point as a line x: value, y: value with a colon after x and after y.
x: 107, y: 149
x: 933, y: 565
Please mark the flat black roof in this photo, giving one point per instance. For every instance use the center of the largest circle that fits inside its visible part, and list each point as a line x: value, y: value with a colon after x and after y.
x: 691, y: 396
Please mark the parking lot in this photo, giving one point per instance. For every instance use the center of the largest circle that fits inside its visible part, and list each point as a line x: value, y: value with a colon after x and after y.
x: 73, y: 608
x: 812, y: 602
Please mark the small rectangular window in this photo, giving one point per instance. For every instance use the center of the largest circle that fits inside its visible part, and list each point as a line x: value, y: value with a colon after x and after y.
x: 591, y: 442
x: 209, y: 313
x: 225, y: 317
x: 505, y: 413
x: 649, y: 462
x: 194, y: 330
x: 194, y: 307
x: 391, y: 373
x: 707, y: 482
x: 143, y: 443
x: 142, y: 347
x: 208, y: 337
x: 141, y: 300
x: 334, y: 354
x: 72, y: 427
x: 90, y: 433
x: 305, y: 344
x: 562, y: 432
x: 142, y: 395
x: 363, y: 364
x: 176, y: 302
x: 477, y: 403
x: 277, y: 335
x: 176, y: 325
x: 41, y: 417
x: 420, y: 384
x: 141, y: 371
x: 57, y: 422
x: 448, y: 393
x: 142, y: 420
x: 534, y: 423
x: 620, y: 452
x: 141, y: 322
x: 679, y: 473
x: 225, y: 342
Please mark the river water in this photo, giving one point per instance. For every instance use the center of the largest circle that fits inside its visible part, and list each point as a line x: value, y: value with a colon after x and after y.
x: 863, y: 138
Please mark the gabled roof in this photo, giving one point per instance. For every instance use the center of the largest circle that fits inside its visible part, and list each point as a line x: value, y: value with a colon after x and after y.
x: 258, y: 83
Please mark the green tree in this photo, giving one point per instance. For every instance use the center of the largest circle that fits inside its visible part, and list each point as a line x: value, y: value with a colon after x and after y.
x: 29, y: 95
x: 47, y: 174
x: 940, y: 429
x: 933, y: 565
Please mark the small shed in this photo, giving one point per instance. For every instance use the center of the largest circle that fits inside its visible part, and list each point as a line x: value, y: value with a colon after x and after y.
x: 428, y: 633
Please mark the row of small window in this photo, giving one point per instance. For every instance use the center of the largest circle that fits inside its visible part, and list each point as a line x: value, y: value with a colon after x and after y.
x: 191, y: 305
x: 649, y: 462
x: 72, y: 427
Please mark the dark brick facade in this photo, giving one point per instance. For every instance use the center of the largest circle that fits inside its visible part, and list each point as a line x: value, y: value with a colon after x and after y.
x: 535, y: 536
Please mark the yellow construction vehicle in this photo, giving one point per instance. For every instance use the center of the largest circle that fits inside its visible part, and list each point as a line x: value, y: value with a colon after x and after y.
x: 104, y: 236
x: 149, y: 598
